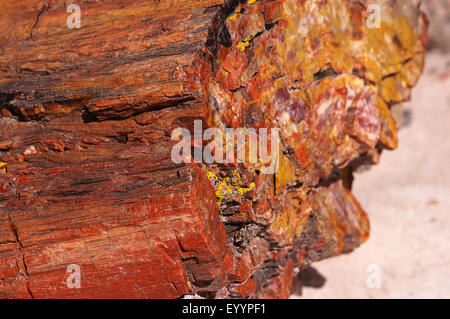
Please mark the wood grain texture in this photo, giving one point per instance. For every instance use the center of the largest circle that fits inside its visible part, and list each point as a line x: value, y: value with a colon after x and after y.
x: 85, y: 141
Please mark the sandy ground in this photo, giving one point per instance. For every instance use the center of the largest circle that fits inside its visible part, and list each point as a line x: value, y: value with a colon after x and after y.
x: 407, y: 197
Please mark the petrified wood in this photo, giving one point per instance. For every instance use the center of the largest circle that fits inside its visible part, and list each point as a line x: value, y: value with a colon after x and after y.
x: 85, y: 140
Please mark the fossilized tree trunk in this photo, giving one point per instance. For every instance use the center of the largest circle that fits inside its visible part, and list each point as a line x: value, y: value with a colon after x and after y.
x: 85, y: 140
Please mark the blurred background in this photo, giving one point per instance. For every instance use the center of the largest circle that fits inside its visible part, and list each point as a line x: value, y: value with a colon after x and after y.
x: 407, y: 197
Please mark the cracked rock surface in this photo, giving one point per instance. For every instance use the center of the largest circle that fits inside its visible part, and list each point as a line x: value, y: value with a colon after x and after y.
x: 85, y: 141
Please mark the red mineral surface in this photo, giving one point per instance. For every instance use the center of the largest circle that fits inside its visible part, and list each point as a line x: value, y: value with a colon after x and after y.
x: 86, y: 173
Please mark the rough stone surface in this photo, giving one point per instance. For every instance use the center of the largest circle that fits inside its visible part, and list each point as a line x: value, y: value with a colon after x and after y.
x: 408, y: 207
x: 86, y: 117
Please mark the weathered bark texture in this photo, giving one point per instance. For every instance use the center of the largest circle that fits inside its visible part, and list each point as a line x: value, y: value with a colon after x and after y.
x: 85, y: 140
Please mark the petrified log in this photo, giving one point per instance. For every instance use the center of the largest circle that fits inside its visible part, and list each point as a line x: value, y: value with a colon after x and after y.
x: 87, y: 114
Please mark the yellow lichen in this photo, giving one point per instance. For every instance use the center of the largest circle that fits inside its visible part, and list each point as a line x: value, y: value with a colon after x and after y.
x: 228, y: 185
x: 245, y: 43
x: 2, y: 168
x: 234, y: 16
